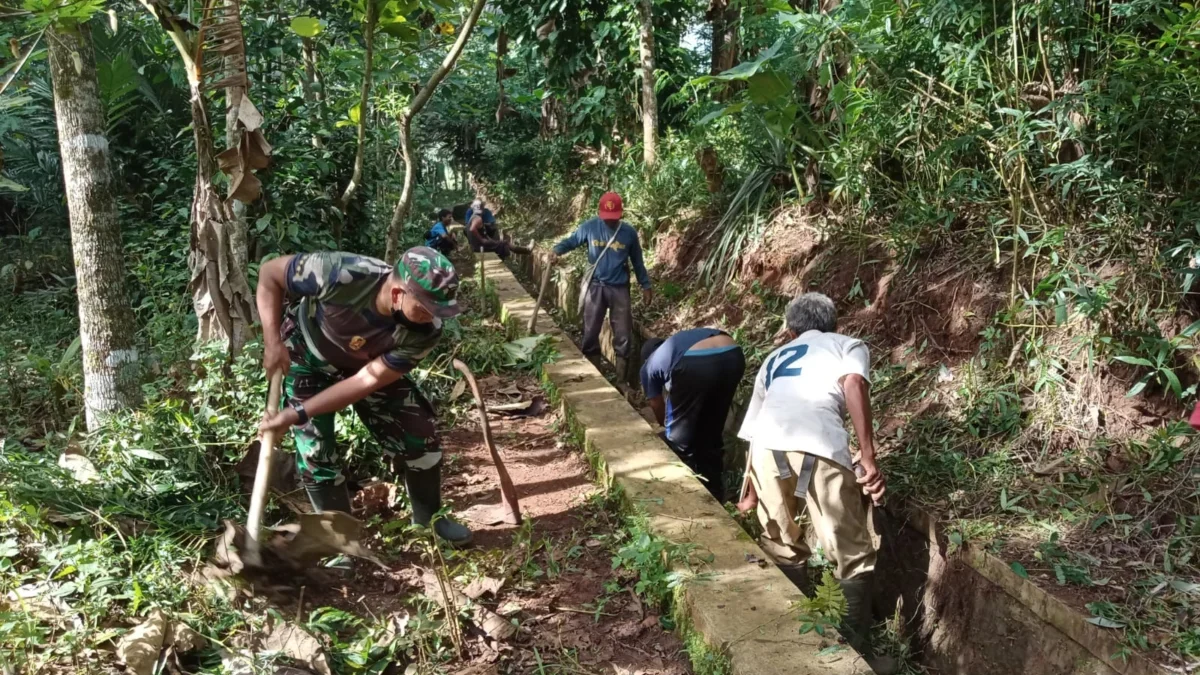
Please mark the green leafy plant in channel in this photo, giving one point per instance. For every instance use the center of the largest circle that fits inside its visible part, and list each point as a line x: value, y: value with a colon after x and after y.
x: 653, y: 559
x: 825, y: 609
x: 1159, y: 355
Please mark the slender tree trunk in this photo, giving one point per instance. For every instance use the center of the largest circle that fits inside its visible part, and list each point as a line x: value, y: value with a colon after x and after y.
x: 419, y: 102
x: 649, y: 95
x: 309, y: 84
x: 111, y: 366
x: 363, y: 99
x: 724, y: 18
x: 501, y: 52
x: 239, y: 233
x: 217, y: 253
x: 221, y: 296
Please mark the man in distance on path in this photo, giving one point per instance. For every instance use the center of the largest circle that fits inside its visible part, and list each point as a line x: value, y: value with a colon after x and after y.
x: 800, y: 453
x: 612, y: 245
x: 346, y: 329
x: 484, y: 235
x: 438, y: 236
x: 689, y: 380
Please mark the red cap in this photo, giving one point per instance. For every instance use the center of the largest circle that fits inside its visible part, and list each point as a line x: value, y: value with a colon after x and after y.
x: 611, y: 207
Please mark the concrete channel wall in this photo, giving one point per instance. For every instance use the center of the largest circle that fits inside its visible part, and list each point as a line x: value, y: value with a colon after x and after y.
x: 740, y: 607
x: 965, y: 612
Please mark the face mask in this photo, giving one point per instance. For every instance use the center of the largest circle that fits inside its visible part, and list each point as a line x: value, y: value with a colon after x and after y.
x: 399, y: 317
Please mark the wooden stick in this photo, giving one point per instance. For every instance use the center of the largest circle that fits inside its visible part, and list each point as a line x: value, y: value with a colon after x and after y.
x: 541, y: 294
x: 508, y: 493
x: 262, y: 478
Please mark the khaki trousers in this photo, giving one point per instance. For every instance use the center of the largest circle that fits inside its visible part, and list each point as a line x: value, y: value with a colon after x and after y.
x: 836, y: 507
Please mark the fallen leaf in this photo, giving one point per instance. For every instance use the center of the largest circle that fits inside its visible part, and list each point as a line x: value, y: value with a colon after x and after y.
x: 184, y: 639
x: 593, y: 543
x: 496, y: 626
x: 236, y: 664
x: 296, y: 644
x: 477, y: 588
x: 39, y: 600
x: 509, y: 609
x: 80, y: 467
x: 459, y: 388
x: 1104, y: 623
x: 139, y: 648
x: 1184, y: 586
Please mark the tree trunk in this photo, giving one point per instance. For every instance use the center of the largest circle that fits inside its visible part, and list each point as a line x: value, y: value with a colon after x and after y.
x: 309, y: 84
x: 363, y: 99
x: 111, y: 367
x: 649, y: 95
x: 217, y: 252
x: 725, y: 42
x: 239, y: 233
x: 419, y: 102
x: 501, y: 52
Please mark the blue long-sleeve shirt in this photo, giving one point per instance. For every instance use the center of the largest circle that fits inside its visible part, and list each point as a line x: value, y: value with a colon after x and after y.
x: 613, y: 270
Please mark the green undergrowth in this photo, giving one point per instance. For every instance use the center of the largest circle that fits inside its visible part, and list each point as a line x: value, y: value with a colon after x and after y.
x: 97, y: 530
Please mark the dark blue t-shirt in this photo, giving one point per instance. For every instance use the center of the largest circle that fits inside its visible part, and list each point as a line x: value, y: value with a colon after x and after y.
x: 656, y: 371
x: 434, y: 233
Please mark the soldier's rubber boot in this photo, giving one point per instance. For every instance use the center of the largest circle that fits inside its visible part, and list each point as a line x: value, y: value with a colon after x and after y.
x: 425, y: 492
x: 328, y: 497
x: 797, y: 573
x: 622, y: 367
x: 856, y: 627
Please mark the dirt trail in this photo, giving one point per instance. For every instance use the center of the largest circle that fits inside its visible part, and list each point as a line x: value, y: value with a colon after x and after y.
x: 576, y: 614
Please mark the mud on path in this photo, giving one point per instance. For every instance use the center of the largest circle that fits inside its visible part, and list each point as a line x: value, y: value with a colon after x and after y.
x: 557, y: 584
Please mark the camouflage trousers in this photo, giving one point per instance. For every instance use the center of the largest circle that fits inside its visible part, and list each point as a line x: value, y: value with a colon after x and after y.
x: 401, y: 420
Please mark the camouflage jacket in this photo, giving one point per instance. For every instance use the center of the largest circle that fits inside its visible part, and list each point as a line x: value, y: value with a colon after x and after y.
x: 332, y: 299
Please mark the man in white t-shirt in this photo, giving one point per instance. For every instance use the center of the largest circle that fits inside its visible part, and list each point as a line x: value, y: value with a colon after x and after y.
x: 800, y: 453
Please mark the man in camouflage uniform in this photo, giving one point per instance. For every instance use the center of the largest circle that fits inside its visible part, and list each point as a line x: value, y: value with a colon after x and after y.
x: 347, y: 329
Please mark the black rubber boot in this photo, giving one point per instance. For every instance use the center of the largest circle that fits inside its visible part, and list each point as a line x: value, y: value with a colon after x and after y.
x: 856, y: 627
x: 425, y: 492
x: 797, y: 573
x: 328, y: 497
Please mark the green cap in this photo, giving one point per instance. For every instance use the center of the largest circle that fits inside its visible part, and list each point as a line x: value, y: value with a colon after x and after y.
x: 431, y: 278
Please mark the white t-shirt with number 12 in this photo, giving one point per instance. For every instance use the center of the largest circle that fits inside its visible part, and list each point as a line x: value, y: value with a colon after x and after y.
x: 798, y: 403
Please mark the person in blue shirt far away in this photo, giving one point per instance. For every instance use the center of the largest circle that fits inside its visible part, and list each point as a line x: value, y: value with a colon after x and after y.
x: 689, y: 380
x: 612, y: 244
x: 438, y: 236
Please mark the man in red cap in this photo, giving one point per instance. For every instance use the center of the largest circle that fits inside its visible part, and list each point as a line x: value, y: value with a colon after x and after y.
x: 611, y: 245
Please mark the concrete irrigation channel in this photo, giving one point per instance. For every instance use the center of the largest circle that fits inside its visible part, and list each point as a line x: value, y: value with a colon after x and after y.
x: 963, y: 611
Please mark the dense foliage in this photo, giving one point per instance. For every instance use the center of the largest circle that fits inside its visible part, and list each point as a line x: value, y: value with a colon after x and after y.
x: 1045, y: 149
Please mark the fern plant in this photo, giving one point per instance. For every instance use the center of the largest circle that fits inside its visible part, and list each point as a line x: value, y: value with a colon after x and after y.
x: 825, y: 610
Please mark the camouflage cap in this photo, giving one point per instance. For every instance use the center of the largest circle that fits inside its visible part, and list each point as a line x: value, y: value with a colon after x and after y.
x: 431, y: 278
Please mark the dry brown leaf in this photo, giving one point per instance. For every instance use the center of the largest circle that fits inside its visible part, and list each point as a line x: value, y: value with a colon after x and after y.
x: 80, y: 467
x: 184, y: 639
x: 249, y: 115
x: 477, y: 588
x: 140, y: 647
x: 296, y: 644
x: 496, y: 626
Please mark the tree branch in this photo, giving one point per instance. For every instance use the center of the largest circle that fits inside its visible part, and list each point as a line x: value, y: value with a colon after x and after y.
x: 426, y: 93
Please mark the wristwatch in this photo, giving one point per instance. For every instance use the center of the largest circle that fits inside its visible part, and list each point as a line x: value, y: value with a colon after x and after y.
x: 301, y: 413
